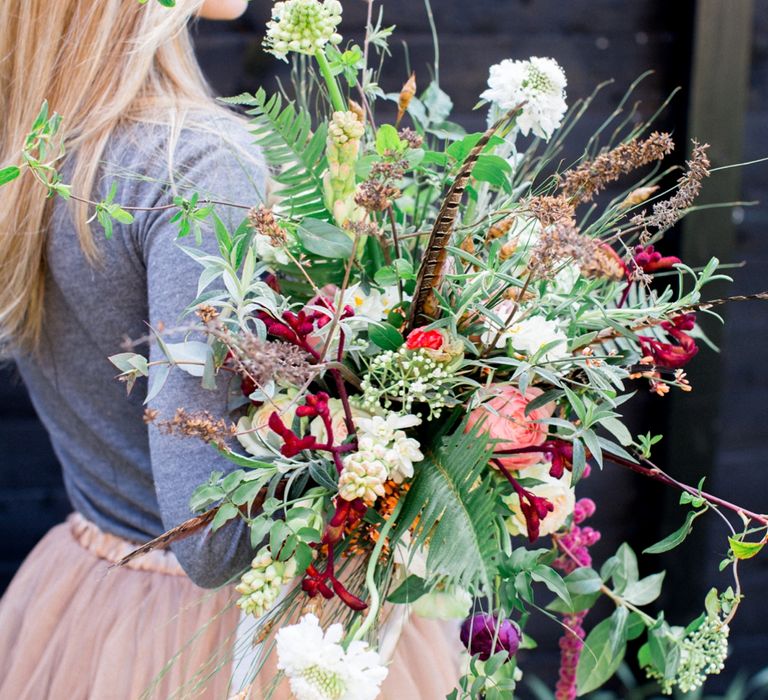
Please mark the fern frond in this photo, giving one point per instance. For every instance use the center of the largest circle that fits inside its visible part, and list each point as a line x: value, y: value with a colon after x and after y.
x: 292, y: 150
x: 452, y: 501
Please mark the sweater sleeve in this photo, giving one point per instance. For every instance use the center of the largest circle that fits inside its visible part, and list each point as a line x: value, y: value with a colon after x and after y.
x: 232, y: 171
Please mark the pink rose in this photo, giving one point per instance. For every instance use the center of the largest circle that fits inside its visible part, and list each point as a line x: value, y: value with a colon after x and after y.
x: 503, y: 418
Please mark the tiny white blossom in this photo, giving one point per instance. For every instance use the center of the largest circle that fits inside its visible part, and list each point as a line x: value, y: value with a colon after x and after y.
x: 318, y: 667
x: 382, y: 429
x: 403, y: 452
x: 539, y: 83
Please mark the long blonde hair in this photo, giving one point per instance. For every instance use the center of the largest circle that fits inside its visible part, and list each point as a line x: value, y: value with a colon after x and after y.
x: 99, y: 63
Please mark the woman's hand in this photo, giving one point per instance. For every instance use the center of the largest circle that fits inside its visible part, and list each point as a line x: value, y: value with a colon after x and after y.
x: 222, y: 9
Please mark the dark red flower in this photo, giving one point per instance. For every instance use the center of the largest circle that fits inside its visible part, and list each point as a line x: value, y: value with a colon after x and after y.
x: 292, y: 443
x: 672, y: 355
x: 485, y: 634
x: 419, y: 338
x: 314, y: 405
x: 649, y: 260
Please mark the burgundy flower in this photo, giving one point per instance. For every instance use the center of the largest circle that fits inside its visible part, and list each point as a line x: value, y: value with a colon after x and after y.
x: 485, y: 634
x: 649, y: 260
x: 560, y: 453
x: 314, y: 405
x: 292, y: 443
x: 672, y: 355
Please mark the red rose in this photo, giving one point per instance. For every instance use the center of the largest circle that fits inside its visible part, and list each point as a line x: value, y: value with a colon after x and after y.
x: 419, y: 338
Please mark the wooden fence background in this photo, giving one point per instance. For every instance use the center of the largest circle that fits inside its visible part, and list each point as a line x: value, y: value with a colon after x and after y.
x: 717, y: 52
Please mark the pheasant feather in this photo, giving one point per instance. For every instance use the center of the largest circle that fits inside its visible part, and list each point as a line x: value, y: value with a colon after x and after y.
x: 430, y: 274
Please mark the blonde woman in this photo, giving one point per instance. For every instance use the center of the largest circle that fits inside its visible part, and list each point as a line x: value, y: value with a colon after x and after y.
x: 138, y: 114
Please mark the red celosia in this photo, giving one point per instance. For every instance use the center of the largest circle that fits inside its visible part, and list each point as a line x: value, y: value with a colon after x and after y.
x: 419, y: 338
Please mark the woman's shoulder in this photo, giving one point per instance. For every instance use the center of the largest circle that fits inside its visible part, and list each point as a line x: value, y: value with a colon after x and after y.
x: 211, y: 153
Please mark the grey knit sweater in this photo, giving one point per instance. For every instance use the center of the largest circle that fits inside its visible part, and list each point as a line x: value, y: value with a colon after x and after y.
x: 129, y: 479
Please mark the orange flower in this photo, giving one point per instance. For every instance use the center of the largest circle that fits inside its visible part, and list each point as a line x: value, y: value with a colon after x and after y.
x: 503, y: 418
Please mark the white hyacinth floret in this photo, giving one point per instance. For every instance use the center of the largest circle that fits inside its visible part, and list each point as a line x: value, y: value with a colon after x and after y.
x: 319, y: 668
x: 302, y: 26
x: 363, y: 476
x: 539, y: 83
x: 260, y: 586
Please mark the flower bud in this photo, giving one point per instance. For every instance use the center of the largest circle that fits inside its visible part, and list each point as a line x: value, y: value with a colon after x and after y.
x: 485, y: 634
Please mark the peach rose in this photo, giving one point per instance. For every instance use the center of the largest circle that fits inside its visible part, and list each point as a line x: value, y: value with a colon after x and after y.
x: 503, y: 418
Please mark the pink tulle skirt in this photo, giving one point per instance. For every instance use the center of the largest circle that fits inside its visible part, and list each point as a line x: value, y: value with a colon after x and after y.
x: 72, y: 629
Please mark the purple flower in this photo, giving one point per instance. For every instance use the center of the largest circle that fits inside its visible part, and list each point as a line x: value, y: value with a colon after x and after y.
x: 485, y: 634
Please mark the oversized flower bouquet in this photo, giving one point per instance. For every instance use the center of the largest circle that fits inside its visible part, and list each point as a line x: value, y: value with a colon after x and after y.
x: 430, y: 336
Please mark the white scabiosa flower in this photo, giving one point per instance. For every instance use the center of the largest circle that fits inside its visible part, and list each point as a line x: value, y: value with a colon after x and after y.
x: 318, y: 667
x: 363, y: 477
x: 540, y: 83
x: 302, y: 26
x: 557, y: 491
x: 260, y: 586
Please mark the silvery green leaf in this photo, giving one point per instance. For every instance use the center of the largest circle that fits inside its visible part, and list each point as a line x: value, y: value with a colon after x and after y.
x: 190, y: 356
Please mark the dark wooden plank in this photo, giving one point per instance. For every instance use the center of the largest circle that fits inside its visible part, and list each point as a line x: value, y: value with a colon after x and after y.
x: 720, y: 80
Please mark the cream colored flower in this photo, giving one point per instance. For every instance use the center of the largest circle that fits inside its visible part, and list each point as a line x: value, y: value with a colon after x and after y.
x: 363, y: 477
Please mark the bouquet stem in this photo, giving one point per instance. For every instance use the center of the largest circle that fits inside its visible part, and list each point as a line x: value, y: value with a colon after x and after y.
x: 337, y: 100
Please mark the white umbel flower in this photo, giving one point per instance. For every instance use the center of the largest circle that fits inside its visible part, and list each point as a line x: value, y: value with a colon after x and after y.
x: 302, y: 26
x: 540, y: 83
x: 318, y: 667
x: 363, y: 477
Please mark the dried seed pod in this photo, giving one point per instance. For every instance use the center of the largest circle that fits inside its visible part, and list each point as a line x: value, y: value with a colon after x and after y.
x: 638, y: 196
x: 406, y: 95
x: 499, y: 229
x: 604, y: 261
x: 357, y: 109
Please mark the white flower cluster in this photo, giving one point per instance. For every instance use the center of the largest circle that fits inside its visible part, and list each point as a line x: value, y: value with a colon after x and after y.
x: 527, y: 336
x: 303, y: 26
x: 318, y: 667
x: 702, y: 653
x: 384, y: 452
x: 539, y: 83
x: 409, y: 377
x: 260, y: 586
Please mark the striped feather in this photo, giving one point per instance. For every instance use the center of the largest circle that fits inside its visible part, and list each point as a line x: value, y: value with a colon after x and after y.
x: 424, y: 305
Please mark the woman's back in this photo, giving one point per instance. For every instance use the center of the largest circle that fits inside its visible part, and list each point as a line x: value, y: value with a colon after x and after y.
x: 127, y: 478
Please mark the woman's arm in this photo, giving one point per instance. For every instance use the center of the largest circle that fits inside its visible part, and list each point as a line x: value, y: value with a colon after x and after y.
x: 206, y: 165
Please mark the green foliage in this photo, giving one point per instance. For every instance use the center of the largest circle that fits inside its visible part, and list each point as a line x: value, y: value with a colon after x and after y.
x: 454, y: 497
x: 292, y: 149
